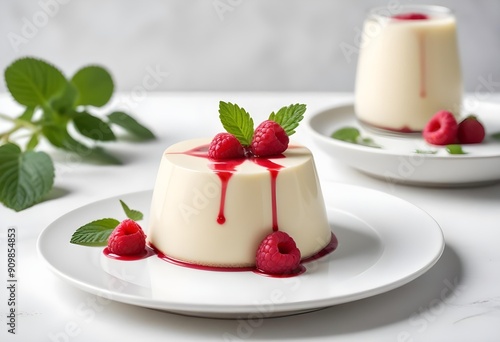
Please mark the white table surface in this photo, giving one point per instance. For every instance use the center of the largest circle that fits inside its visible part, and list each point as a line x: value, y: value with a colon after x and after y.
x: 418, y: 311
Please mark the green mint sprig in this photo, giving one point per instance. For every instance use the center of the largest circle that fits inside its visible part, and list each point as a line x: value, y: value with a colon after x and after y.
x: 455, y: 149
x: 131, y: 213
x: 238, y: 122
x: 96, y: 233
x: 53, y: 105
x: 25, y: 177
x: 289, y: 117
x: 352, y: 135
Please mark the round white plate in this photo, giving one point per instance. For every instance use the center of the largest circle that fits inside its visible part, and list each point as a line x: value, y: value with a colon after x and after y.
x: 396, y: 160
x: 384, y: 242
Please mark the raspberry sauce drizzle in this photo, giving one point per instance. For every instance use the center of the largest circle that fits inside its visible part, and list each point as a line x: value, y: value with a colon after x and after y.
x: 421, y: 46
x: 423, y: 87
x: 273, y: 169
x: 224, y: 170
x: 411, y: 16
x: 196, y: 266
x: 329, y: 248
x: 146, y: 253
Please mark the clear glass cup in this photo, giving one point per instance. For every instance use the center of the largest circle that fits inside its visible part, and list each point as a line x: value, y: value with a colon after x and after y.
x: 408, y: 67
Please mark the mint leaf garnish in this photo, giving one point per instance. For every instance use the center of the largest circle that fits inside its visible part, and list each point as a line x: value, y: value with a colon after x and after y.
x: 131, y: 125
x: 495, y: 136
x: 426, y: 151
x: 289, y: 117
x: 34, y: 82
x: 348, y: 134
x: 368, y: 142
x: 455, y: 149
x: 131, y: 213
x: 236, y: 121
x: 353, y: 136
x: 25, y: 177
x: 94, y: 84
x: 92, y: 127
x: 95, y: 233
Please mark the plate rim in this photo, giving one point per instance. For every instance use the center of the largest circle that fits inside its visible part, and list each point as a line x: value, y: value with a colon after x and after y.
x: 203, y: 310
x: 349, y: 106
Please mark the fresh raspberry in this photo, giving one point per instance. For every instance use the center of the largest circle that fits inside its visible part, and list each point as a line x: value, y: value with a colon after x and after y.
x: 225, y: 146
x: 441, y: 129
x: 127, y: 239
x: 269, y: 139
x: 278, y: 254
x: 470, y: 131
x: 411, y: 16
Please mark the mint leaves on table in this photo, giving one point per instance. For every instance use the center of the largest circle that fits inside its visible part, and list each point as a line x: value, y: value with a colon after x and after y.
x: 96, y: 233
x: 352, y: 135
x: 131, y: 125
x: 60, y: 111
x: 238, y: 122
x: 25, y: 177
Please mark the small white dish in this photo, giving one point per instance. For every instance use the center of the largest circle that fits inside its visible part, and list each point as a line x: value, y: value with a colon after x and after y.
x: 397, y: 162
x: 376, y: 253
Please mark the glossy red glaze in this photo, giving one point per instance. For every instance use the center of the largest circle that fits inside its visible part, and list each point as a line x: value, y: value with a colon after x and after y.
x: 145, y: 254
x: 411, y: 16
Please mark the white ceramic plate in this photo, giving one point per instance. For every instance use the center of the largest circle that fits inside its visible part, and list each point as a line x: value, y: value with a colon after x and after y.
x: 397, y: 161
x: 379, y: 250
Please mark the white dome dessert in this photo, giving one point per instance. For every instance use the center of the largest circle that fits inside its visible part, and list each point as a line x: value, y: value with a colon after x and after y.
x: 216, y: 213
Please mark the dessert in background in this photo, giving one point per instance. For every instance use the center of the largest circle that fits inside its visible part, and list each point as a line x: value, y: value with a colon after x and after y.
x: 408, y: 68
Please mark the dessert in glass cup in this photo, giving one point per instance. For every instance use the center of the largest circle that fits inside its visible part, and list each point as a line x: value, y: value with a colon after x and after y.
x: 408, y: 67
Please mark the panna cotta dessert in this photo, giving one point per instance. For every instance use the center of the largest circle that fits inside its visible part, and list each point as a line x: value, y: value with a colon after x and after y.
x: 217, y: 213
x: 242, y: 200
x: 408, y: 68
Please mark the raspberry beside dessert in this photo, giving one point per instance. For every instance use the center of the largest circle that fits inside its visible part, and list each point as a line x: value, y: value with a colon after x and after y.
x: 470, y: 131
x: 278, y: 254
x: 441, y: 129
x: 127, y: 238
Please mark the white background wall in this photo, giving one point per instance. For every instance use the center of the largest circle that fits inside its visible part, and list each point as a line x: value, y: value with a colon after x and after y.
x: 224, y: 44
